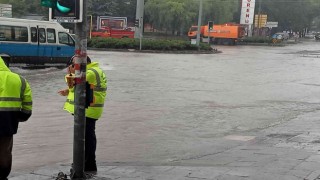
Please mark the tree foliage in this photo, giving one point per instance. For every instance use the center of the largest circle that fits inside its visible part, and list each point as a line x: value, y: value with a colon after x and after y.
x: 170, y: 14
x: 291, y: 15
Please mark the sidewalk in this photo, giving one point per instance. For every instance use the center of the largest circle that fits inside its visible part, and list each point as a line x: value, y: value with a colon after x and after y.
x: 289, y: 151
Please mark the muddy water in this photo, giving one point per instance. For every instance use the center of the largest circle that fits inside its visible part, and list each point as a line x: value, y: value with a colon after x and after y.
x: 163, y: 107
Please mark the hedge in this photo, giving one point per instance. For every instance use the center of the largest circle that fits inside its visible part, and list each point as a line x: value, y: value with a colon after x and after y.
x: 147, y: 44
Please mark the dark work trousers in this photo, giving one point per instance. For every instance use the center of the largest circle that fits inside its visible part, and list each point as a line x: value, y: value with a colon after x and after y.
x: 90, y: 145
x: 5, y: 156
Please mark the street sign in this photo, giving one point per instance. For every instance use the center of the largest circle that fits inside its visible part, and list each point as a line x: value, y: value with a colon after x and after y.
x: 271, y: 24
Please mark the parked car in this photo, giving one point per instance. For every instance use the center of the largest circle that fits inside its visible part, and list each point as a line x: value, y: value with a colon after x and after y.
x: 317, y: 36
x: 309, y: 36
x: 281, y: 35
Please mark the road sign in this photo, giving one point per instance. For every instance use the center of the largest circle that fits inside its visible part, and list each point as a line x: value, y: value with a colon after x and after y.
x: 271, y: 24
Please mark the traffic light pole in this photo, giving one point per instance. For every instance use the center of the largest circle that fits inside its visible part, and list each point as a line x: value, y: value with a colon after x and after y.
x: 77, y: 171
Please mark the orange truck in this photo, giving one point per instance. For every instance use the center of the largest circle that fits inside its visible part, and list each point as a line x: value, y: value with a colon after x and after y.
x: 113, y: 33
x: 223, y: 33
x: 192, y: 34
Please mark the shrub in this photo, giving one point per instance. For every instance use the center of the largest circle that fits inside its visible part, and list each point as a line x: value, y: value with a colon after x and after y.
x: 147, y: 44
x: 257, y: 39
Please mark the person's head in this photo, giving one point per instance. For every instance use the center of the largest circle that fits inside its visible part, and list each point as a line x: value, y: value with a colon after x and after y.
x: 72, y: 60
x: 88, y: 60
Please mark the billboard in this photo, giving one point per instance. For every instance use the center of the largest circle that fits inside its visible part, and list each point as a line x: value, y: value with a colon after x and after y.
x: 6, y: 10
x: 111, y: 22
x: 260, y: 20
x: 247, y: 12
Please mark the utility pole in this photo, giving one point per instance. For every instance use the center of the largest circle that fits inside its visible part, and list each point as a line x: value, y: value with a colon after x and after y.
x: 199, y: 23
x: 77, y: 171
x: 259, y: 18
x: 139, y: 15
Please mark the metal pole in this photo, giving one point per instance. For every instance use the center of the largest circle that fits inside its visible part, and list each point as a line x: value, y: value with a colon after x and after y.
x: 90, y: 29
x: 79, y: 98
x: 259, y: 17
x: 209, y: 33
x: 199, y: 24
x: 140, y: 34
x: 139, y: 15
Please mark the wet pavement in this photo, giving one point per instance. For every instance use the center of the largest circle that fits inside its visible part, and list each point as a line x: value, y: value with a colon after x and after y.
x: 247, y: 113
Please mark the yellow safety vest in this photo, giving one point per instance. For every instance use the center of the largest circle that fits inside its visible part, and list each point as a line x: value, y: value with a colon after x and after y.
x: 98, y: 78
x: 15, y: 91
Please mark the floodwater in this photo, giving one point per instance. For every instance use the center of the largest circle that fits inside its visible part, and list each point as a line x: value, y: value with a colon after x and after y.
x: 164, y: 107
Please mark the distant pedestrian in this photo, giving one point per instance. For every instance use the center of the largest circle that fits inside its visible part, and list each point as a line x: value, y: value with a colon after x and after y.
x: 97, y: 77
x: 15, y: 107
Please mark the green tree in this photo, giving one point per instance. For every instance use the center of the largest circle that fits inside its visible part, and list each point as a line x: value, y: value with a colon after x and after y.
x: 220, y: 11
x: 171, y: 15
x: 291, y: 15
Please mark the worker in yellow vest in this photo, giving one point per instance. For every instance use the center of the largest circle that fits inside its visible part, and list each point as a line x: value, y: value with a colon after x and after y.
x: 15, y: 107
x: 98, y: 79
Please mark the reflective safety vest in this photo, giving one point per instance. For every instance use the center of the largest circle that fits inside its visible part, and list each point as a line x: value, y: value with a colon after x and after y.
x: 15, y: 91
x: 98, y: 78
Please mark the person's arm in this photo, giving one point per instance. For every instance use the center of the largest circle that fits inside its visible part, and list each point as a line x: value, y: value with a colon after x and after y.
x: 91, y: 77
x: 21, y: 116
x: 26, y: 107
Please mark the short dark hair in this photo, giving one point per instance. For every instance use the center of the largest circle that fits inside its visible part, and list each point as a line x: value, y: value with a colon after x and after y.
x: 71, y: 59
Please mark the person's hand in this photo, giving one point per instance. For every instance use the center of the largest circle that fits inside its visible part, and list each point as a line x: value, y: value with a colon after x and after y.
x: 64, y: 92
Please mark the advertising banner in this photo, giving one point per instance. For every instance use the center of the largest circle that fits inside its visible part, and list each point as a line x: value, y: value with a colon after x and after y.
x: 247, y: 12
x: 6, y: 10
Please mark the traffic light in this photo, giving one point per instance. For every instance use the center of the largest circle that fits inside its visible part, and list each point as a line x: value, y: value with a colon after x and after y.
x: 210, y: 25
x: 65, y: 6
x: 64, y: 10
x: 137, y: 23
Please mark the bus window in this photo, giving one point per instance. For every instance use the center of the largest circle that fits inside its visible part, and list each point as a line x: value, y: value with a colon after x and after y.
x: 51, y: 36
x: 42, y: 35
x: 13, y: 33
x: 23, y: 37
x: 2, y: 37
x: 34, y: 34
x: 64, y: 38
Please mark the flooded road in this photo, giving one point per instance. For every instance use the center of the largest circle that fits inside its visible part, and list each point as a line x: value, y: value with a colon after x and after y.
x: 164, y: 107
